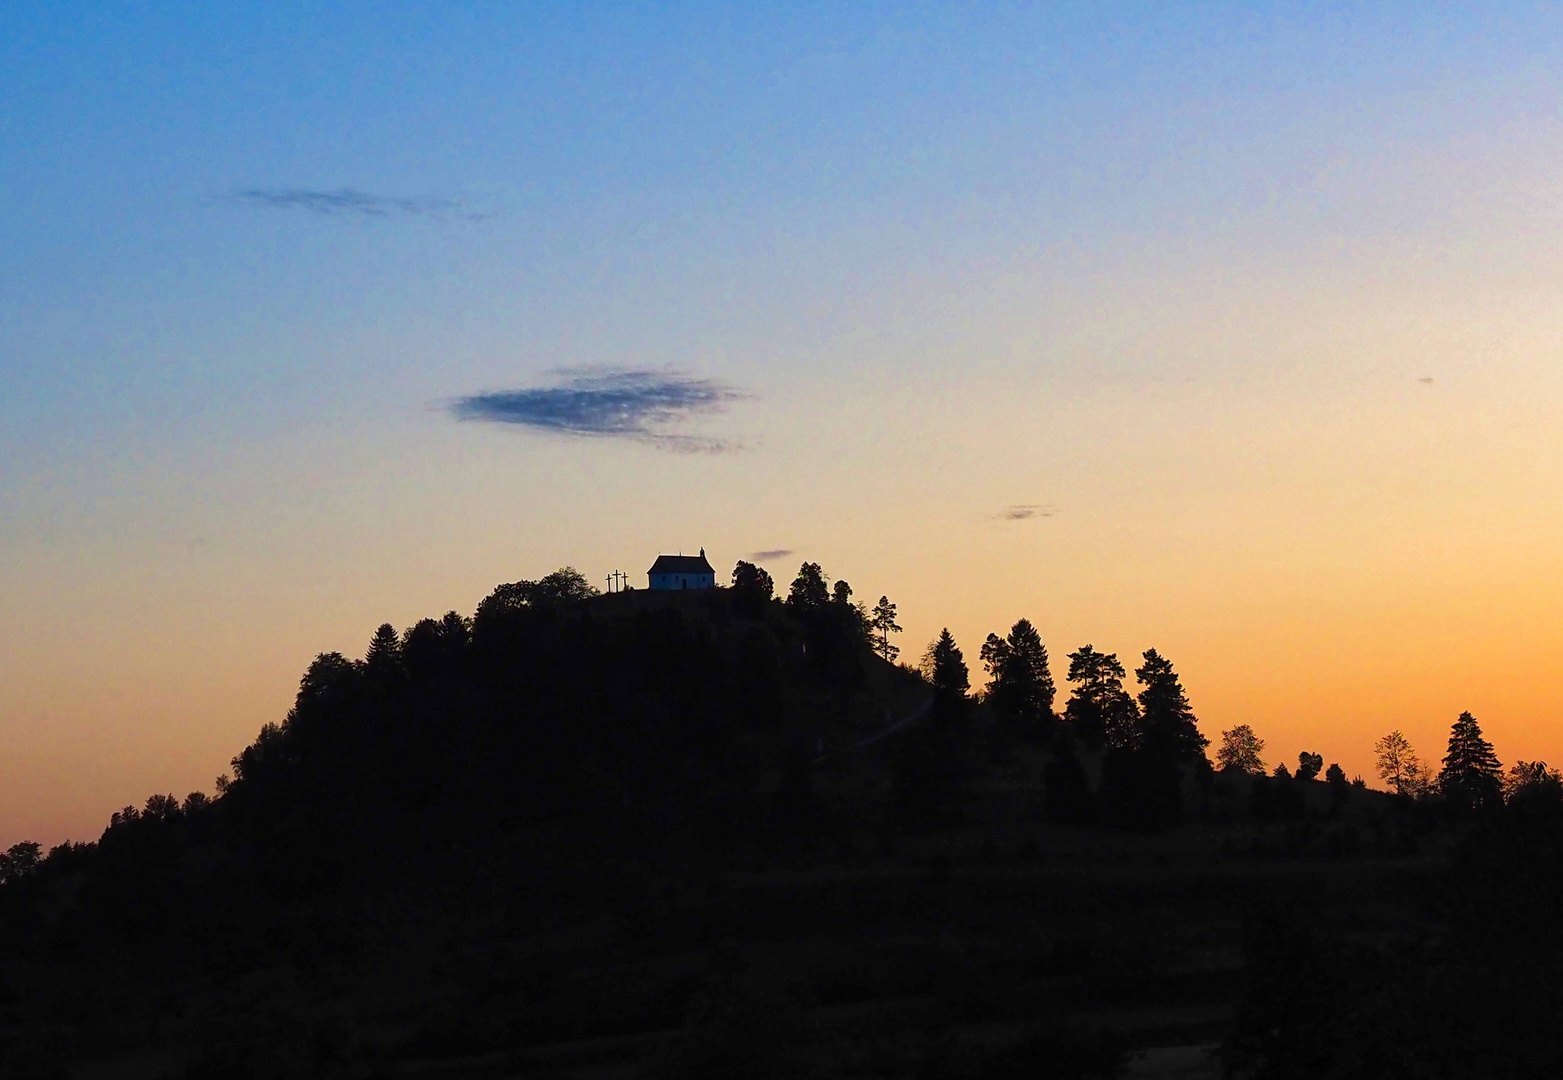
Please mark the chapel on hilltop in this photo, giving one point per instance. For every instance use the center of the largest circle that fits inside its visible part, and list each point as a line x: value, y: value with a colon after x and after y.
x: 682, y: 572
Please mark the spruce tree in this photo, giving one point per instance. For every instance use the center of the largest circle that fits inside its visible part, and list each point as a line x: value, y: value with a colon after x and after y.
x: 1471, y: 775
x: 385, y: 651
x: 1167, y: 722
x: 1019, y: 681
x: 455, y: 632
x: 947, y: 667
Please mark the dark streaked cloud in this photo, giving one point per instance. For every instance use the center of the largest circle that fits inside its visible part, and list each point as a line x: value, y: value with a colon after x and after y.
x: 1426, y: 380
x: 341, y: 202
x: 1024, y: 511
x: 770, y: 554
x: 643, y: 406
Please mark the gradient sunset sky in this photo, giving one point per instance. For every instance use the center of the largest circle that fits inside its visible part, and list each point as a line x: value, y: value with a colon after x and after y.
x: 1232, y: 330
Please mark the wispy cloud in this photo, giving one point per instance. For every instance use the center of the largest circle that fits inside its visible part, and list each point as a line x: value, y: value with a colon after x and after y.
x: 1426, y: 380
x: 771, y: 554
x: 643, y: 406
x: 342, y: 202
x: 1024, y: 511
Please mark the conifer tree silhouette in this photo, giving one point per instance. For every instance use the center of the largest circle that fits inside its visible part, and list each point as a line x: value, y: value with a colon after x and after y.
x: 1099, y: 709
x: 883, y: 623
x: 947, y: 666
x: 1471, y: 775
x: 1019, y: 681
x: 385, y: 651
x: 1167, y: 721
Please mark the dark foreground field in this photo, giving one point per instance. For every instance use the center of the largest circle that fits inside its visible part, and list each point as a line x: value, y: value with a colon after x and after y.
x: 1052, y: 952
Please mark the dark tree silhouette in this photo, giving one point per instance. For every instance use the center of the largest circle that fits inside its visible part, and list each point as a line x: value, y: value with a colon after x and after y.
x: 1335, y: 775
x: 1471, y: 776
x: 841, y: 592
x: 1532, y: 780
x: 455, y: 632
x: 1019, y: 682
x: 423, y: 649
x: 563, y: 586
x: 1241, y: 750
x: 752, y: 589
x: 1167, y: 722
x: 1309, y: 765
x: 882, y: 622
x: 1399, y: 765
x: 808, y: 592
x: 1099, y: 709
x: 384, y: 656
x: 19, y: 861
x: 946, y: 667
x: 1282, y: 772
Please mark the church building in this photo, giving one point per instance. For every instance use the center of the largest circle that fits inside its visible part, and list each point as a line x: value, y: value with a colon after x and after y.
x: 682, y: 572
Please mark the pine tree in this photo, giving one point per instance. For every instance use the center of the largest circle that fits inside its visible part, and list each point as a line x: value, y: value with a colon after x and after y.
x: 994, y: 652
x: 1099, y: 709
x: 1471, y: 774
x: 947, y: 666
x: 883, y: 623
x: 1167, y: 721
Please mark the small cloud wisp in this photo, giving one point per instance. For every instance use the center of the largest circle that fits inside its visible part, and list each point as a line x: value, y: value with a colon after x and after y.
x: 642, y: 406
x: 340, y: 202
x: 771, y: 554
x: 1025, y: 511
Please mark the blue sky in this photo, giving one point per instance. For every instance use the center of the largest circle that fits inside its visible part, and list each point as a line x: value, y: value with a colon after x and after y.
x: 643, y: 166
x: 1174, y: 274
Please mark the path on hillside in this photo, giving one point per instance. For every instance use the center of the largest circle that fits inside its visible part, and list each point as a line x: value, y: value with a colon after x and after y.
x: 894, y: 726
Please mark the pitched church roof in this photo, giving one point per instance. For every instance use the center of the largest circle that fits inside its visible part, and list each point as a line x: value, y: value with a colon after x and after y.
x: 682, y: 564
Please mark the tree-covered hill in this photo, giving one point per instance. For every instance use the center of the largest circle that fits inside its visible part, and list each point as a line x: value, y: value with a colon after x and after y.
x: 626, y: 718
x: 720, y: 833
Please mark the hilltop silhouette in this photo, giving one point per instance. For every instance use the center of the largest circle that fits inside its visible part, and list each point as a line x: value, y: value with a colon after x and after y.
x: 721, y: 832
